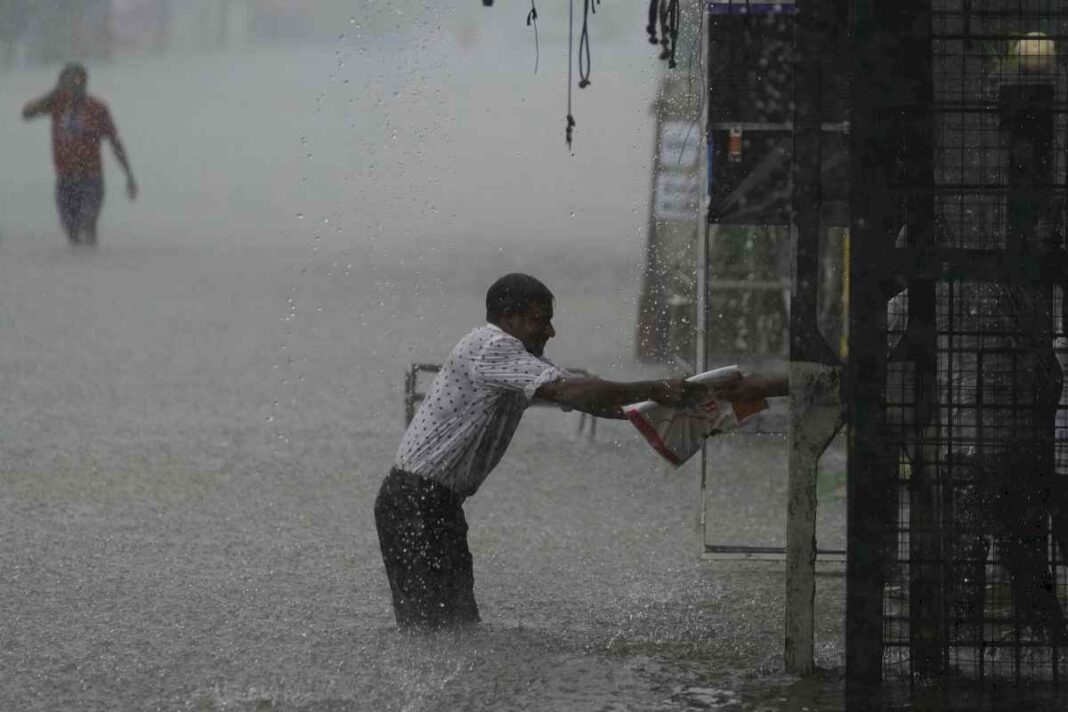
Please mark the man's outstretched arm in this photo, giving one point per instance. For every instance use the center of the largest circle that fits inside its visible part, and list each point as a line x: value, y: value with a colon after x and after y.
x: 754, y: 388
x: 606, y: 399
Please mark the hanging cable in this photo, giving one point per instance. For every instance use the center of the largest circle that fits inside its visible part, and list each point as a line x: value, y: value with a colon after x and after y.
x: 532, y: 19
x: 673, y: 29
x: 654, y: 14
x: 570, y: 44
x: 584, y: 45
x: 665, y: 38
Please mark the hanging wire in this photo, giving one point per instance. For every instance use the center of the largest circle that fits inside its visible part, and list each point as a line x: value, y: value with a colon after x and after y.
x: 662, y: 13
x: 584, y: 44
x: 654, y: 14
x: 532, y: 19
x: 666, y: 13
x: 673, y: 29
x: 570, y: 45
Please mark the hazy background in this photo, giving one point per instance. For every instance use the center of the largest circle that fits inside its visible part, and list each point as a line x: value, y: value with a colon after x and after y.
x: 199, y: 412
x: 385, y: 119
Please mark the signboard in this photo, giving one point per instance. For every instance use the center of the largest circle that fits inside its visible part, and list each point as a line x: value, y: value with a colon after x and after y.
x: 676, y: 196
x: 751, y: 7
x: 678, y: 144
x: 677, y: 190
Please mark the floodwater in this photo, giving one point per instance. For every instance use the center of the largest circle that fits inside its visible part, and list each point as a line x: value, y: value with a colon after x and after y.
x: 186, y: 514
x: 198, y: 413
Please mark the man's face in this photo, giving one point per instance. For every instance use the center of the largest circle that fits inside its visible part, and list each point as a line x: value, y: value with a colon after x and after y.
x: 74, y: 84
x: 533, y: 327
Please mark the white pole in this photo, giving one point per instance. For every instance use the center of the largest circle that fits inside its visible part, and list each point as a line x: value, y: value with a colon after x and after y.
x: 704, y: 234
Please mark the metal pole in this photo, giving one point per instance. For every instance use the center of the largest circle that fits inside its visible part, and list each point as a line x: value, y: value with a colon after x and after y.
x: 870, y: 485
x: 815, y: 409
x: 704, y: 234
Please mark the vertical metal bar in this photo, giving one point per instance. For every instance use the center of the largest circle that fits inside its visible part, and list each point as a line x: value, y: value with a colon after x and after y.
x: 871, y: 233
x: 927, y: 595
x: 815, y: 370
x: 704, y: 235
x: 808, y: 349
x: 701, y: 360
x: 843, y: 342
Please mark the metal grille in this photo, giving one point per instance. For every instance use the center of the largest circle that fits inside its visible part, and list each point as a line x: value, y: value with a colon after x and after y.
x: 976, y: 583
x: 972, y: 463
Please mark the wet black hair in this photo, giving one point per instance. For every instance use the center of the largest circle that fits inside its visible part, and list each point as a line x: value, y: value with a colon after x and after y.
x: 514, y: 293
x: 74, y: 68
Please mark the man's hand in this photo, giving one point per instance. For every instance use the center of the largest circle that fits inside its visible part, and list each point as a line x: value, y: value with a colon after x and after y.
x: 605, y: 398
x: 751, y: 388
x: 131, y: 188
x: 678, y: 393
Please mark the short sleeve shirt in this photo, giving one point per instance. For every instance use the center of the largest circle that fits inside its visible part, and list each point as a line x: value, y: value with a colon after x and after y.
x: 77, y: 130
x: 472, y: 409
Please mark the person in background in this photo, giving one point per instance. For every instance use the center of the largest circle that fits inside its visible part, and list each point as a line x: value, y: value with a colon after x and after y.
x: 79, y: 124
x: 461, y: 432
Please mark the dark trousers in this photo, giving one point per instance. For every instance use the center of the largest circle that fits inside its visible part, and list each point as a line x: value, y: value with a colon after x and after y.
x: 79, y: 201
x: 423, y: 535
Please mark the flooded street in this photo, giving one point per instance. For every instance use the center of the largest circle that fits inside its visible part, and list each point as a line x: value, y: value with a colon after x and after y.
x: 198, y: 413
x: 187, y: 514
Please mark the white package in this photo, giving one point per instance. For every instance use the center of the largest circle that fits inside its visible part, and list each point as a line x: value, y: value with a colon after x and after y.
x: 678, y: 433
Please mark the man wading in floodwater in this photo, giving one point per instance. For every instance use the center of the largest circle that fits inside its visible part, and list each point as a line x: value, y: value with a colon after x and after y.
x: 79, y: 123
x: 462, y: 429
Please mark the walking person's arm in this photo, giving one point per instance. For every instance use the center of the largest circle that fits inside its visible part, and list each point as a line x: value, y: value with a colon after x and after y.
x: 124, y: 161
x: 38, y: 107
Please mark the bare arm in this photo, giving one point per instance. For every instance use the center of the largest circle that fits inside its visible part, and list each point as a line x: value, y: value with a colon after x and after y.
x: 614, y: 412
x: 37, y: 107
x: 767, y: 386
x: 606, y: 398
x: 120, y: 156
x: 754, y: 388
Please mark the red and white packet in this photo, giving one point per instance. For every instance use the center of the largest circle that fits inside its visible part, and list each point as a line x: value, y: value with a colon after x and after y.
x: 678, y: 433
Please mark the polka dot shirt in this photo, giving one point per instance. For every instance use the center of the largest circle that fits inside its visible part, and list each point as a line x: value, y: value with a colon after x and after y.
x: 472, y: 409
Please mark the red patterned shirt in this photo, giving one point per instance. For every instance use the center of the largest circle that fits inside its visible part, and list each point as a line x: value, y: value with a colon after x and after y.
x: 77, y: 130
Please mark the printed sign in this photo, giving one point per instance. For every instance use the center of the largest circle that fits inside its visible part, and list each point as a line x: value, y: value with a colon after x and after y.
x: 676, y: 196
x: 751, y: 7
x: 678, y: 144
